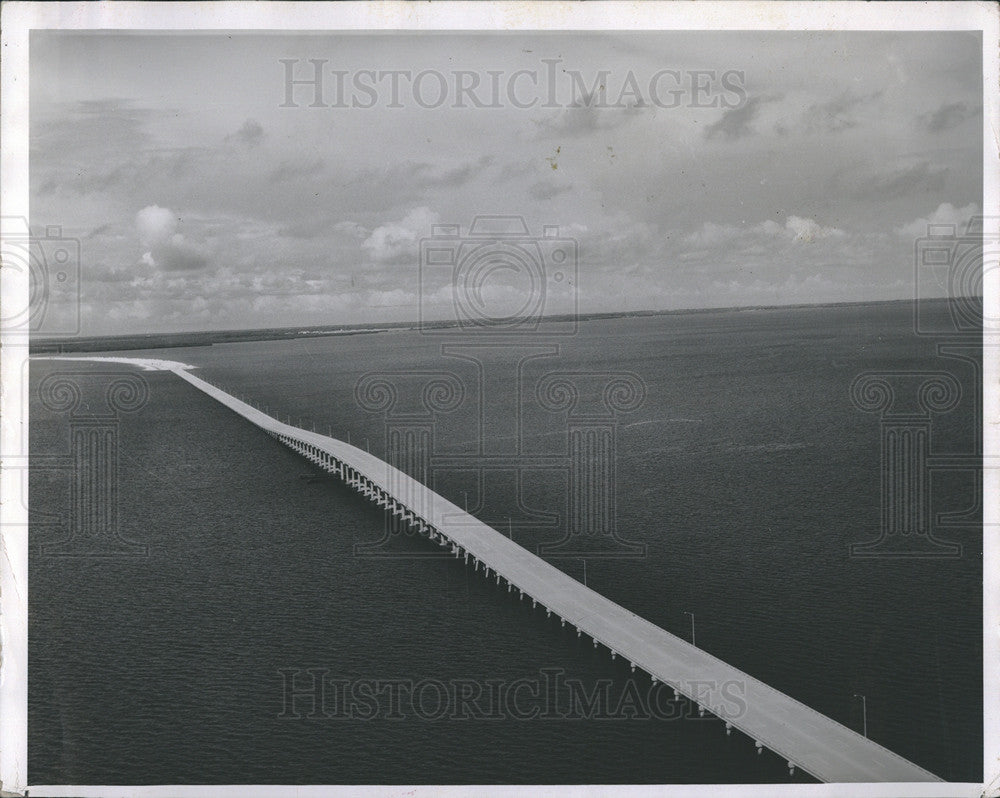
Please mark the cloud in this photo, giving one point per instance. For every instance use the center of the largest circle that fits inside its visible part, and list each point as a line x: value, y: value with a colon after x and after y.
x: 581, y: 120
x: 459, y: 175
x: 544, y: 190
x: 735, y: 123
x: 920, y: 177
x: 514, y: 170
x: 396, y: 242
x: 809, y: 230
x: 731, y: 237
x: 947, y: 116
x: 166, y: 248
x: 289, y: 170
x: 351, y: 230
x: 837, y: 114
x: 250, y: 133
x: 946, y: 214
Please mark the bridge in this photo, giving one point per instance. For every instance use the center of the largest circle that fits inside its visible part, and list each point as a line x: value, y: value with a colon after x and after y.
x: 805, y: 738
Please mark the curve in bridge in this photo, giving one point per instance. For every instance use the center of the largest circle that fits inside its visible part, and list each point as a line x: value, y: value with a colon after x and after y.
x: 806, y: 738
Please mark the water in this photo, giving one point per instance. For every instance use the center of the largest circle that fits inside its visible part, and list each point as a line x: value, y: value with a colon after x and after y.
x: 747, y: 472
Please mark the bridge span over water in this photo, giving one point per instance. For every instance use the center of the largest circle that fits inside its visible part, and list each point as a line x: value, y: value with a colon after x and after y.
x: 817, y: 744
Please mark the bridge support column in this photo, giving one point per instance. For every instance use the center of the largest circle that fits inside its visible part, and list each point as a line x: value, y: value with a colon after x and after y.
x: 760, y: 746
x: 791, y: 768
x: 729, y: 729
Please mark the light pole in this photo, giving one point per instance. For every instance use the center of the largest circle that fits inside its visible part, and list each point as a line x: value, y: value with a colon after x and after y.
x: 864, y: 712
x: 466, y: 494
x: 584, y: 571
x: 693, y: 643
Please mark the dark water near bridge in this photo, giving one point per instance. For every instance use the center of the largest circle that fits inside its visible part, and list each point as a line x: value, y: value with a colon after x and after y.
x: 747, y: 473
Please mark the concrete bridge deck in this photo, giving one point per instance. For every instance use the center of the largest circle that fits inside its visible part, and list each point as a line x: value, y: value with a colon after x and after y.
x: 822, y: 747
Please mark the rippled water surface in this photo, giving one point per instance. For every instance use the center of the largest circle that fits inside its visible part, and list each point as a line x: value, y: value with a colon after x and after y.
x: 747, y: 473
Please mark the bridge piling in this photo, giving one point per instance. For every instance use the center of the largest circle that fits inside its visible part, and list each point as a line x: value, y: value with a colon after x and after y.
x: 822, y: 747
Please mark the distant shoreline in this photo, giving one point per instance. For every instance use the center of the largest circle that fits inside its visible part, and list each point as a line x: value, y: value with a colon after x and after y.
x: 165, y: 340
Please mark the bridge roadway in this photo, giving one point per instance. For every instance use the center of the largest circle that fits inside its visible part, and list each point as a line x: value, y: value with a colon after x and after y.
x: 827, y: 750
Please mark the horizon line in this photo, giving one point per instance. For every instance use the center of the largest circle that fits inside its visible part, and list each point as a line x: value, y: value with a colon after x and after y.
x: 444, y: 323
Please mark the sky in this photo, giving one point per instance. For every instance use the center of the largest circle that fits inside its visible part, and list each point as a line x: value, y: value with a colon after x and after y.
x: 688, y: 169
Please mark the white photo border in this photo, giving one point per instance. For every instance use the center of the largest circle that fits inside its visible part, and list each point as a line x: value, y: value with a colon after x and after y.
x: 18, y: 19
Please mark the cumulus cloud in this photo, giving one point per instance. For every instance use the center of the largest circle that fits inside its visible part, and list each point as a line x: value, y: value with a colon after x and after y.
x: 809, y: 230
x: 796, y: 228
x: 166, y: 249
x: 396, y: 242
x: 946, y: 214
